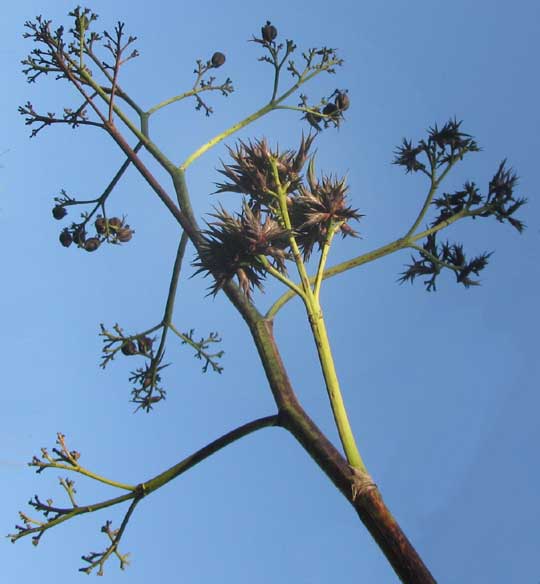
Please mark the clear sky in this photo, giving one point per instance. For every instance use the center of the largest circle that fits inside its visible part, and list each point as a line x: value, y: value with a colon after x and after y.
x: 442, y: 388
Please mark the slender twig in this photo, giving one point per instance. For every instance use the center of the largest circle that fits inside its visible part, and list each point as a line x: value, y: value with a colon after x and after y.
x: 272, y: 105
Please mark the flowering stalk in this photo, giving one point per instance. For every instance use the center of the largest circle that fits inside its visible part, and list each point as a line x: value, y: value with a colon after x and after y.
x: 310, y: 297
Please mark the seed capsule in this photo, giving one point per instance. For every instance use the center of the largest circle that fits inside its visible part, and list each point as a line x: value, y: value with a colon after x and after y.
x: 330, y: 109
x: 79, y: 236
x: 65, y: 238
x: 115, y: 223
x: 129, y: 348
x: 59, y: 212
x: 145, y: 344
x: 92, y: 244
x: 101, y: 225
x: 269, y: 32
x: 218, y: 59
x: 124, y: 234
x: 342, y: 101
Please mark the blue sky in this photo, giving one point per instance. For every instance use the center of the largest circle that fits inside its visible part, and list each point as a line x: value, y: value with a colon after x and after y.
x: 441, y: 388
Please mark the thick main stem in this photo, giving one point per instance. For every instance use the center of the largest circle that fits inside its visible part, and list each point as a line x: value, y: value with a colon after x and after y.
x: 369, y: 503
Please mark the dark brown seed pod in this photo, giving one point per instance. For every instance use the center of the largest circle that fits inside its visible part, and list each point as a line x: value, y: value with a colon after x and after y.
x: 330, y: 109
x: 79, y: 235
x: 129, y: 348
x: 59, y: 212
x: 65, y: 238
x: 92, y: 244
x: 269, y: 32
x: 124, y: 234
x: 342, y: 101
x: 101, y: 225
x: 144, y: 344
x: 115, y: 223
x: 218, y: 59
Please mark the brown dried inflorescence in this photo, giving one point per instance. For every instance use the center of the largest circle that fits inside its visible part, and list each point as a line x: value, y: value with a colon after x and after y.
x: 252, y: 174
x: 233, y: 246
x: 318, y: 206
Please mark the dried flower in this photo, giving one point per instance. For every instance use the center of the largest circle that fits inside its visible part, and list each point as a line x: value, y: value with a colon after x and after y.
x: 233, y: 246
x: 252, y: 173
x: 450, y: 135
x: 318, y: 207
x: 406, y: 156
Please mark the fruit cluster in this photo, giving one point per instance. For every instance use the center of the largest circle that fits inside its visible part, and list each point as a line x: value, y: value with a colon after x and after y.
x: 113, y: 230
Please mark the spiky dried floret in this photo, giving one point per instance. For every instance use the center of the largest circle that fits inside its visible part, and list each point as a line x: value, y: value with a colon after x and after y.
x: 451, y: 136
x: 447, y: 255
x: 319, y: 205
x: 406, y: 155
x: 233, y: 245
x: 252, y: 174
x: 501, y: 202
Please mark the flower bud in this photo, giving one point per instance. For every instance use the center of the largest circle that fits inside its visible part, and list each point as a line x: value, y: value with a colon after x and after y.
x: 59, y: 212
x: 218, y: 59
x: 92, y: 244
x: 269, y: 32
x: 65, y: 238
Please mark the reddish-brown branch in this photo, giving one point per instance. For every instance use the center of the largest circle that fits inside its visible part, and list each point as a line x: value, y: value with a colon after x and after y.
x: 369, y: 503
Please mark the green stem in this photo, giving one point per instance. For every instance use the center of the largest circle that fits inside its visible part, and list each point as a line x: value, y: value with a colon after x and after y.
x: 334, y: 392
x: 322, y: 261
x: 373, y: 255
x: 90, y: 474
x: 279, y: 276
x: 184, y: 465
x: 318, y: 327
x: 272, y: 105
x: 435, y: 182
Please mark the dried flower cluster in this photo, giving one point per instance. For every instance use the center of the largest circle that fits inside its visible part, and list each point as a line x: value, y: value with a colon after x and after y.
x: 435, y: 257
x: 319, y: 206
x: 146, y: 380
x: 443, y: 148
x: 329, y: 112
x: 113, y: 230
x: 277, y: 195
